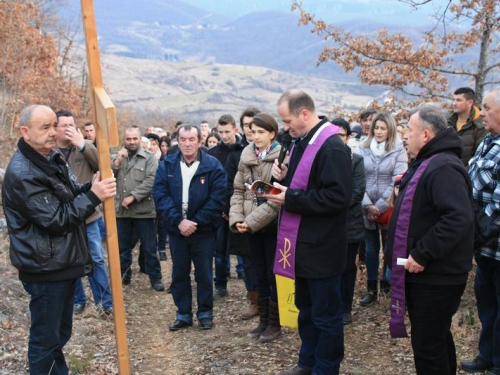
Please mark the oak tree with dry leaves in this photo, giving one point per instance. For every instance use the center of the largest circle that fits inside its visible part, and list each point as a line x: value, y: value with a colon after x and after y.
x: 422, y: 68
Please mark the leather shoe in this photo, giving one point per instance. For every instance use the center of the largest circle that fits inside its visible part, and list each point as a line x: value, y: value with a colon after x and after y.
x: 297, y: 371
x: 179, y: 324
x: 206, y: 323
x: 494, y: 371
x: 477, y: 364
x: 78, y: 308
x: 158, y: 286
x: 126, y: 280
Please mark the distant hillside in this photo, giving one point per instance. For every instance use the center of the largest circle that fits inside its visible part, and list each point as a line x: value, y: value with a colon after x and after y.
x: 193, y: 91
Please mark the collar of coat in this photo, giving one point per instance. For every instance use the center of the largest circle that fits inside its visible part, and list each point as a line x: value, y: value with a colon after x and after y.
x: 49, y: 165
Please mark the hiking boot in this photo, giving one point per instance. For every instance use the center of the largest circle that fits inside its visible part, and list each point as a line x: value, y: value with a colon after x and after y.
x: 263, y: 318
x: 477, y: 364
x: 371, y: 294
x: 253, y: 309
x: 273, y: 329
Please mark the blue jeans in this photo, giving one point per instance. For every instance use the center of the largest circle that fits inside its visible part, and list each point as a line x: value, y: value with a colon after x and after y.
x: 146, y: 230
x: 199, y: 250
x: 372, y: 240
x: 51, y: 309
x: 487, y: 289
x: 99, y: 283
x: 321, y: 328
x: 239, y: 266
x: 221, y: 256
x: 102, y: 228
x: 162, y: 234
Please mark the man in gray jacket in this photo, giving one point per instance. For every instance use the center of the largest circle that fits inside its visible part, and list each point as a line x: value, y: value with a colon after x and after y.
x: 135, y: 170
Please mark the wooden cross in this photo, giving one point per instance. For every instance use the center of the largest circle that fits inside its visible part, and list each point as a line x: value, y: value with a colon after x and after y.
x: 106, y: 136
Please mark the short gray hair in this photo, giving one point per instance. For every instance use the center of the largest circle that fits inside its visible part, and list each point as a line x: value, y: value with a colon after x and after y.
x: 27, y: 114
x: 431, y: 117
x: 496, y: 93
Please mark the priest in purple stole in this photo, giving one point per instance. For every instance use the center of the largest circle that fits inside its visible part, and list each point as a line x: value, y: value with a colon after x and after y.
x: 432, y: 228
x: 312, y: 241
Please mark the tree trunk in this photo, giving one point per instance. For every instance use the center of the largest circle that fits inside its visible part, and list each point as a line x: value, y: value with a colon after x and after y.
x: 484, y: 56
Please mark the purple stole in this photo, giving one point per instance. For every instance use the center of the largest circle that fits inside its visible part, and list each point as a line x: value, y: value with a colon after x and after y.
x: 284, y: 263
x: 397, y: 326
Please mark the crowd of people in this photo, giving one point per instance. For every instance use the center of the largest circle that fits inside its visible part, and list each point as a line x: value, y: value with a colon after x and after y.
x: 414, y: 201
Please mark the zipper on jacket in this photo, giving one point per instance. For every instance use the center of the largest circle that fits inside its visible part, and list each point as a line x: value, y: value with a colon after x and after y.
x: 50, y: 245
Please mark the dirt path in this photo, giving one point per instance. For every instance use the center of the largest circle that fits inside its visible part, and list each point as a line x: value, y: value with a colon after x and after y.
x: 223, y: 350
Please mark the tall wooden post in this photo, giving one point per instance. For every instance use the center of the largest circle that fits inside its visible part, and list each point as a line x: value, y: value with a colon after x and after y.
x: 106, y: 135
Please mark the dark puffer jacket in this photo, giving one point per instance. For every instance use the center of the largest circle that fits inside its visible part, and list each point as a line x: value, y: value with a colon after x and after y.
x: 355, y: 223
x: 472, y: 134
x: 46, y: 212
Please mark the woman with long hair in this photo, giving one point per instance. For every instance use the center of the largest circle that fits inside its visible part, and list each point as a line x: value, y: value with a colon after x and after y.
x: 384, y: 158
x: 256, y: 216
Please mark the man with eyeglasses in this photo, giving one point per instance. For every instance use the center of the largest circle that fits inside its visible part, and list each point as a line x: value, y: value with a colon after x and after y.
x: 81, y: 155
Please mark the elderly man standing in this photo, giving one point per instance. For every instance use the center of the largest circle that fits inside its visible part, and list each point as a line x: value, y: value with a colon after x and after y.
x: 46, y: 212
x: 135, y: 170
x: 190, y: 192
x: 433, y: 227
x: 316, y: 193
x: 484, y: 170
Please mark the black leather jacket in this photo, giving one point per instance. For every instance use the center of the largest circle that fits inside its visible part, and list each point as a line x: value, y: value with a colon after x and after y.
x: 46, y: 212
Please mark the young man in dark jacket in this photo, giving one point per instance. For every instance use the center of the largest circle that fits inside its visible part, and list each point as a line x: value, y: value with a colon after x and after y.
x: 189, y: 192
x: 237, y: 239
x: 355, y: 224
x: 467, y: 122
x: 46, y: 213
x: 432, y: 226
x: 321, y: 234
x: 228, y: 132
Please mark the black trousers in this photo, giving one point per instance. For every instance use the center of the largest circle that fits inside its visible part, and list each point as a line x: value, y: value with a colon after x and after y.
x: 431, y: 308
x: 348, y: 280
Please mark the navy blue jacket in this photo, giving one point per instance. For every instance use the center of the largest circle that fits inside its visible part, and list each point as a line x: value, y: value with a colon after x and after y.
x: 207, y: 194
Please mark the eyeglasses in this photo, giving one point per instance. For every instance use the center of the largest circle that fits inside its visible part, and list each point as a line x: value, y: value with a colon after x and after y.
x: 342, y: 134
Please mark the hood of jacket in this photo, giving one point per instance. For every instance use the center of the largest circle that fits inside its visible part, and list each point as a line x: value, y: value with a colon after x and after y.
x: 447, y: 140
